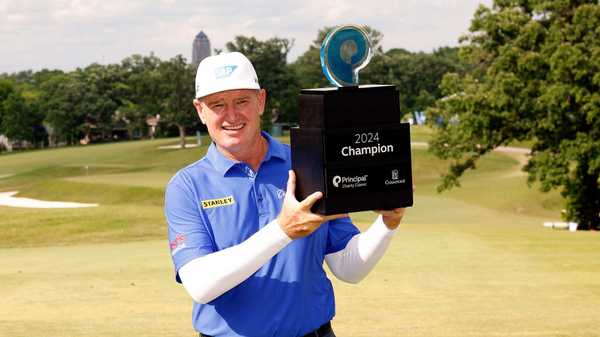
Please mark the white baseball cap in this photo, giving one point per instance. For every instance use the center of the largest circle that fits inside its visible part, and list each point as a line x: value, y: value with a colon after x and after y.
x: 225, y: 72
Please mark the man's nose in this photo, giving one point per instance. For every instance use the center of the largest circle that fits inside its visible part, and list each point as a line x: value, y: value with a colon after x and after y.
x: 230, y: 112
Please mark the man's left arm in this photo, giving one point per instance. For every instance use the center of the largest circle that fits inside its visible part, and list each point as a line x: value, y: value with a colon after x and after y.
x: 363, y: 251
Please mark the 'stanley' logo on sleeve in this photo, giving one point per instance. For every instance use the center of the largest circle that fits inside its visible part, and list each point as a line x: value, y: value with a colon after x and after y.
x: 210, y: 203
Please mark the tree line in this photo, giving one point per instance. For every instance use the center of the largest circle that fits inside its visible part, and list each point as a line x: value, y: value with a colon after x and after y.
x: 96, y: 103
x: 527, y: 71
x: 122, y: 101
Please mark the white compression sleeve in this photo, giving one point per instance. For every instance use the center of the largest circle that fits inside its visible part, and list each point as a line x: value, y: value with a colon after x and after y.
x: 209, y: 276
x: 361, y: 254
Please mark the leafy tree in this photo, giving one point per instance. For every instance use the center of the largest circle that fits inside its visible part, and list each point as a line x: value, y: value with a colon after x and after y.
x: 29, y: 86
x: 21, y: 77
x: 177, y: 94
x: 61, y: 101
x: 141, y: 97
x: 416, y: 75
x: 20, y: 120
x: 44, y: 75
x: 82, y: 102
x: 540, y: 63
x: 102, y: 95
x: 270, y: 61
x: 6, y: 90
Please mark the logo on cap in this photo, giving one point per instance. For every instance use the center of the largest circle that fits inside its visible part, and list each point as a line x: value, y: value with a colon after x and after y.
x: 224, y: 71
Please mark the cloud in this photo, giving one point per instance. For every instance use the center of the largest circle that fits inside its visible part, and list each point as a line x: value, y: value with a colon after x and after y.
x: 74, y: 33
x: 89, y: 11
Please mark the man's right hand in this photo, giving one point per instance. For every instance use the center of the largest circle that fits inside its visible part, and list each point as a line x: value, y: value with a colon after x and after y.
x: 295, y: 218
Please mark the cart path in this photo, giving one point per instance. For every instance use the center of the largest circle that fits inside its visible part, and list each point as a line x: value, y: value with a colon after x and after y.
x: 518, y: 153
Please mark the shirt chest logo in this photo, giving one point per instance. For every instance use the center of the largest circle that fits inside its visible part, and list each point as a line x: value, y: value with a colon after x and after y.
x: 211, y: 203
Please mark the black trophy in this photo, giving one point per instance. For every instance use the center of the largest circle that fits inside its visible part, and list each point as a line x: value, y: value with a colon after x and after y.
x: 350, y: 143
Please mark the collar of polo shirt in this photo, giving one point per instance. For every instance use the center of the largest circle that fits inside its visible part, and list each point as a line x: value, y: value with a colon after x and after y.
x: 224, y: 164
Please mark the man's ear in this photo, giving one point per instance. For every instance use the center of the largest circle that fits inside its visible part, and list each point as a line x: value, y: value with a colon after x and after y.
x: 262, y: 99
x: 198, y: 106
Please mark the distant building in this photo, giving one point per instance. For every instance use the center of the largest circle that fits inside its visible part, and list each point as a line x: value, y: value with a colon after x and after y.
x: 200, y: 48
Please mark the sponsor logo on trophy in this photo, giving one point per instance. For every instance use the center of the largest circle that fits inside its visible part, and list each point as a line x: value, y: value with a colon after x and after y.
x: 336, y: 181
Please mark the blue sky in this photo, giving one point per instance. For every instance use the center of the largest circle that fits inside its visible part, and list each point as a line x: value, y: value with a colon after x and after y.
x: 67, y: 34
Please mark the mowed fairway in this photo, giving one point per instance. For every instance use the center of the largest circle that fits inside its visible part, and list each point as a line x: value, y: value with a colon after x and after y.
x: 474, y: 261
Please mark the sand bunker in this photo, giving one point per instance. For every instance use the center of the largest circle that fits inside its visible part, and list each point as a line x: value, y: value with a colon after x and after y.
x: 187, y: 146
x: 9, y: 199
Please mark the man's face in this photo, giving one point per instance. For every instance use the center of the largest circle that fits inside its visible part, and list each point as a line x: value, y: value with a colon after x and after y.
x: 232, y: 117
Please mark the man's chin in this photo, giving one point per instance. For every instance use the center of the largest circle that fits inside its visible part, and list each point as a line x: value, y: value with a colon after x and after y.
x: 233, y: 139
x: 231, y: 144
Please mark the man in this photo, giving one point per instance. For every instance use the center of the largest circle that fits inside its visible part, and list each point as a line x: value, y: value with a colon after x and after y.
x: 249, y: 254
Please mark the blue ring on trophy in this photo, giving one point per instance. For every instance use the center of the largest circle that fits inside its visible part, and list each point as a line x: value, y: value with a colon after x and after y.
x: 344, y: 52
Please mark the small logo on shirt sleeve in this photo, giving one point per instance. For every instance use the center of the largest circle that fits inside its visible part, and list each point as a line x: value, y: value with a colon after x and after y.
x: 177, y: 244
x: 211, y: 203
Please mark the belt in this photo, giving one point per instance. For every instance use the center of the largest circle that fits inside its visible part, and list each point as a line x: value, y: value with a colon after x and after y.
x: 320, y: 332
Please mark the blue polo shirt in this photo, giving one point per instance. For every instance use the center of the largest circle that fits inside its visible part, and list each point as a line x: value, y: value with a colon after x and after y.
x: 216, y: 203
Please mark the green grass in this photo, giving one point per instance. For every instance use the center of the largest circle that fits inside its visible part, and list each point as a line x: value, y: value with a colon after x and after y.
x: 420, y: 133
x: 127, y: 180
x: 499, y: 277
x: 474, y: 261
x: 477, y: 279
x: 423, y: 133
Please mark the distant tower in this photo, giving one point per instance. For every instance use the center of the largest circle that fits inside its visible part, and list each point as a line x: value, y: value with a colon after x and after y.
x: 200, y: 48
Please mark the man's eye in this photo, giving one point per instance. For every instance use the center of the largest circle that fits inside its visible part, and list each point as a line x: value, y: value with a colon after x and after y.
x: 216, y: 106
x: 243, y: 101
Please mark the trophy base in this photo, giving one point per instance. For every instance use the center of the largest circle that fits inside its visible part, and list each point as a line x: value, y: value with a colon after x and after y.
x: 357, y: 169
